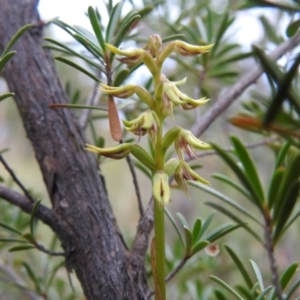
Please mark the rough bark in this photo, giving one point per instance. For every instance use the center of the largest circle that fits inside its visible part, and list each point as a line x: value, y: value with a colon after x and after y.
x: 86, y: 225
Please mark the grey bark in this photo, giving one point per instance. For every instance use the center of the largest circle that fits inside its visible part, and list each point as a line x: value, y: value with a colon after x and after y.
x: 84, y: 221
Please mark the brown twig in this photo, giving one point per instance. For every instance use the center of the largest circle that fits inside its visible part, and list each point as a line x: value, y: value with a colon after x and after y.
x: 224, y: 101
x: 15, y: 178
x: 136, y: 185
x: 172, y: 274
x: 43, y: 213
x: 52, y: 253
x: 270, y: 249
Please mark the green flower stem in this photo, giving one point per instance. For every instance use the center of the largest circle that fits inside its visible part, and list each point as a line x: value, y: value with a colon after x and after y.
x: 159, y: 223
x: 159, y: 231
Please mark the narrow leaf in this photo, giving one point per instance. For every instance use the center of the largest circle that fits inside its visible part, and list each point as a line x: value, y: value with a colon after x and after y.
x: 7, y: 95
x: 250, y: 168
x: 199, y: 246
x: 240, y: 266
x: 257, y: 274
x: 113, y: 20
x: 20, y: 248
x: 239, y: 173
x: 188, y: 241
x: 226, y: 286
x: 76, y: 66
x: 220, y: 231
x: 32, y: 276
x: 264, y: 293
x: 196, y: 230
x: 183, y: 220
x: 11, y: 229
x: 96, y: 27
x: 234, y: 218
x: 33, y: 219
x: 293, y: 28
x: 4, y: 59
x: 224, y: 198
x: 282, y: 93
x: 76, y: 106
x: 206, y: 224
x: 14, y: 39
x: 120, y: 77
x: 169, y: 215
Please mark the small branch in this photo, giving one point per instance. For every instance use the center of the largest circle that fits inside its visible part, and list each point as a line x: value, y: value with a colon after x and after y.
x: 15, y: 178
x: 172, y: 274
x: 224, y: 101
x: 231, y: 149
x: 177, y: 269
x: 136, y: 185
x: 43, y: 213
x: 270, y: 249
x: 91, y: 101
x: 13, y: 277
x: 52, y: 253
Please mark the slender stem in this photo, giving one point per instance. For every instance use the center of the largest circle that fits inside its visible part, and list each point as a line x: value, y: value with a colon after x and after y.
x: 159, y: 225
x: 159, y: 231
x: 136, y: 185
x: 270, y: 249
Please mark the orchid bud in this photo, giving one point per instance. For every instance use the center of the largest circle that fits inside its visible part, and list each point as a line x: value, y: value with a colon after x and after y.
x: 130, y: 57
x: 120, y: 92
x: 117, y: 152
x: 161, y: 188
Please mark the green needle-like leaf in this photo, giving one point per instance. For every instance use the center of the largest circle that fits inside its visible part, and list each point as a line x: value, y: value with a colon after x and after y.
x: 33, y: 219
x: 14, y: 39
x: 76, y: 66
x: 264, y: 293
x: 199, y: 246
x: 113, y: 21
x: 196, y: 230
x: 282, y: 93
x: 21, y: 248
x: 292, y: 290
x: 226, y: 286
x: 7, y: 95
x: 142, y: 156
x: 96, y: 27
x: 220, y: 231
x: 232, y: 183
x: 5, y: 58
x: 182, y: 220
x: 285, y: 208
x: 206, y: 224
x: 120, y: 77
x: 250, y: 169
x: 257, y: 274
x: 11, y: 229
x: 240, y: 174
x: 225, y: 199
x: 234, y: 218
x: 188, y: 241
x: 32, y: 276
x: 240, y: 266
x: 76, y: 106
x: 169, y: 215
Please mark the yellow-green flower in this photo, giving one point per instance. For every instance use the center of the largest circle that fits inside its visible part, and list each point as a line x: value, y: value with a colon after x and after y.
x: 144, y: 123
x: 172, y: 96
x: 182, y: 172
x: 186, y: 142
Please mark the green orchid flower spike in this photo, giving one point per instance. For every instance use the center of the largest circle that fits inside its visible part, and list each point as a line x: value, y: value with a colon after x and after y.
x: 161, y: 104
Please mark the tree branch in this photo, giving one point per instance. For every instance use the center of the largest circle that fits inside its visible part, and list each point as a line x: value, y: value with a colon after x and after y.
x: 224, y: 101
x: 15, y: 178
x: 43, y: 213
